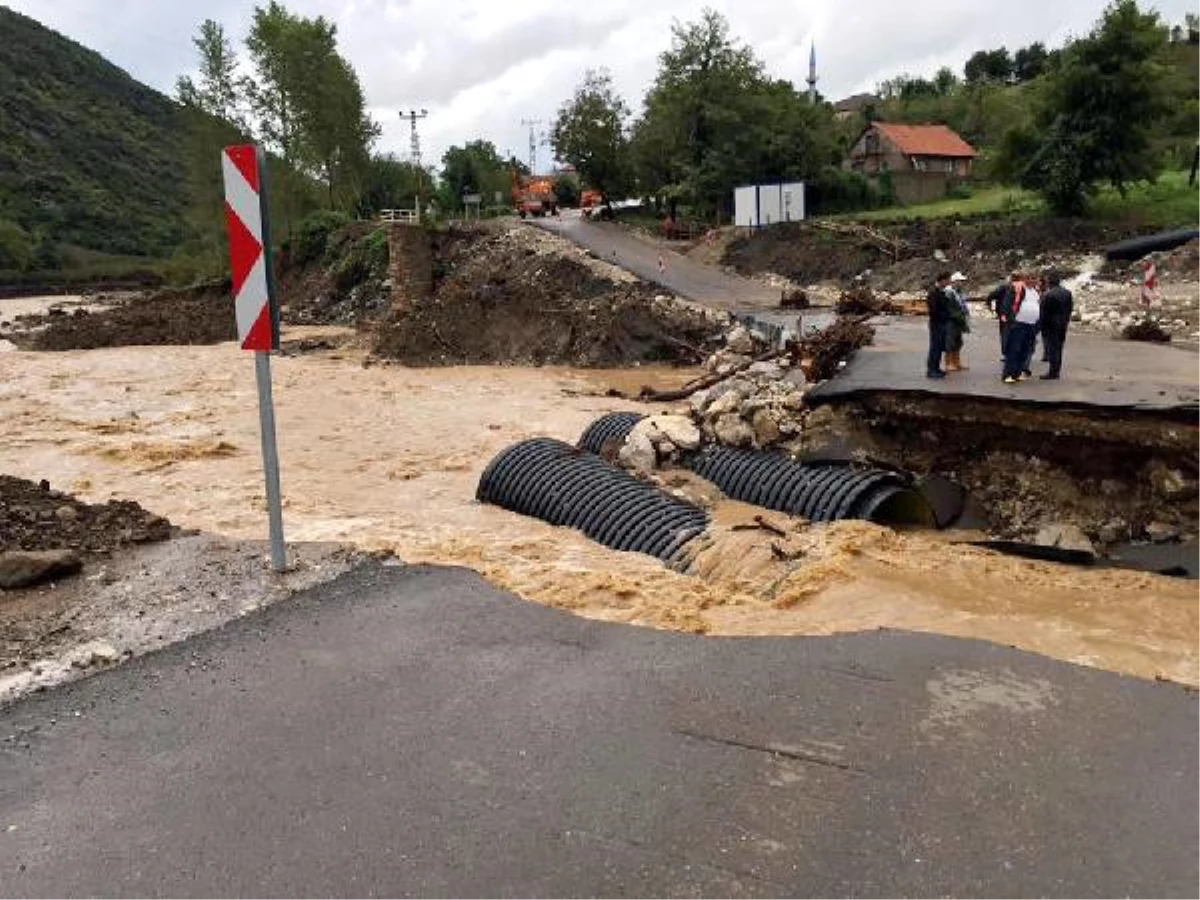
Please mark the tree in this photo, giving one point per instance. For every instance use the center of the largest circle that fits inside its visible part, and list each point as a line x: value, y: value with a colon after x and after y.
x: 391, y: 183
x: 1030, y: 62
x: 989, y: 65
x: 713, y: 120
x: 1099, y: 114
x: 474, y: 168
x: 590, y: 134
x: 308, y: 102
x: 217, y: 92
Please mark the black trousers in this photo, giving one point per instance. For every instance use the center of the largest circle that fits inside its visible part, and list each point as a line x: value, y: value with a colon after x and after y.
x: 1053, y: 339
x: 1003, y: 334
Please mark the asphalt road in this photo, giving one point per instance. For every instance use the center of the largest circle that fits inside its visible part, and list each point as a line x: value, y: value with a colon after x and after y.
x: 1098, y: 371
x: 703, y: 284
x: 412, y: 731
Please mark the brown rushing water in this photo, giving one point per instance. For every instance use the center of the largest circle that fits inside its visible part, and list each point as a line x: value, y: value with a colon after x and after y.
x: 389, y: 458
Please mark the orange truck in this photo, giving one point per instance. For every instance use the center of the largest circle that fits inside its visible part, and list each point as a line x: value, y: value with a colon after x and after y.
x: 533, y: 195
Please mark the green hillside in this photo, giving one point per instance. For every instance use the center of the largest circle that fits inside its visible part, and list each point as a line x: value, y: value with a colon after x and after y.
x: 89, y: 157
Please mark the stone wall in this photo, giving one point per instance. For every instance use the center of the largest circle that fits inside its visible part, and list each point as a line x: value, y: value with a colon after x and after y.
x: 410, y: 265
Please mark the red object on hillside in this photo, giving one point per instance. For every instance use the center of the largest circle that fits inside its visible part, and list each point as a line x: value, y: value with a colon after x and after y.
x: 925, y: 140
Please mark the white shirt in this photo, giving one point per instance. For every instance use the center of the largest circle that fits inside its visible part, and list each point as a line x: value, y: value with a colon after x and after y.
x: 1031, y: 307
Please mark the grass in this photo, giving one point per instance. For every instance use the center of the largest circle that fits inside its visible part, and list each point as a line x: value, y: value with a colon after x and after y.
x: 1166, y: 203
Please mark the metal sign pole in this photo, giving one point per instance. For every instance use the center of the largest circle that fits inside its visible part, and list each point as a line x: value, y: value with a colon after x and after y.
x: 266, y: 420
x: 256, y: 305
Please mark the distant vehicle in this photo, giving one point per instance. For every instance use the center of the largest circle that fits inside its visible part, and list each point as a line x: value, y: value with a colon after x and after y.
x: 533, y: 196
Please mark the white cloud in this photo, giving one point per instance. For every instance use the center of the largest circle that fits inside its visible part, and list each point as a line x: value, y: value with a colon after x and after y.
x: 481, y: 66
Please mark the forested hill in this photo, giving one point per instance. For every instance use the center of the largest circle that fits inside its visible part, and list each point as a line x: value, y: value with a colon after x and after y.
x: 89, y: 157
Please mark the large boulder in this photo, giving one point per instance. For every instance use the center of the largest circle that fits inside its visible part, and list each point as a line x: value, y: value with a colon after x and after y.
x: 1064, y: 536
x: 25, y: 568
x: 732, y: 430
x: 740, y: 341
x: 679, y: 430
x: 638, y: 453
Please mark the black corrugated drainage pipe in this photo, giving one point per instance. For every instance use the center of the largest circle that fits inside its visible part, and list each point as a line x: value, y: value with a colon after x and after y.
x: 612, y: 426
x: 819, y: 492
x: 562, y: 485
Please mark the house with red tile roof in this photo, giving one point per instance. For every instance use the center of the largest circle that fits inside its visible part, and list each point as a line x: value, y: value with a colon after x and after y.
x: 923, y: 162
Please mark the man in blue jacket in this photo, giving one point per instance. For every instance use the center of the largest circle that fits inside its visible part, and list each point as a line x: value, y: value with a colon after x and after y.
x: 1057, y: 306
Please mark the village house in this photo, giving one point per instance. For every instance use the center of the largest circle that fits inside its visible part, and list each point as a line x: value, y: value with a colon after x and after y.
x: 922, y: 161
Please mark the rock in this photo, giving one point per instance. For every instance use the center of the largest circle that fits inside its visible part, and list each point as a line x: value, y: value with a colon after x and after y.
x: 795, y: 377
x: 24, y: 568
x: 66, y: 513
x: 939, y: 255
x: 766, y: 370
x: 1065, y: 536
x: 638, y: 453
x: 1168, y: 483
x: 678, y: 430
x: 739, y: 341
x: 766, y: 429
x: 1113, y: 530
x: 1161, y: 532
x: 728, y: 402
x: 732, y: 431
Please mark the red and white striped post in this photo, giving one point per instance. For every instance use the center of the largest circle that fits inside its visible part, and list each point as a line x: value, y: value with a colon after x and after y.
x: 255, y: 304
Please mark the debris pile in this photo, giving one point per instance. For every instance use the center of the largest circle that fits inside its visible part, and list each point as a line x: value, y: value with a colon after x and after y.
x: 521, y: 296
x: 43, y: 531
x: 1146, y: 329
x: 202, y: 314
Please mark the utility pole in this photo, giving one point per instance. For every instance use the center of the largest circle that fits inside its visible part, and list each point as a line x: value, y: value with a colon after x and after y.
x: 413, y: 117
x: 532, y: 123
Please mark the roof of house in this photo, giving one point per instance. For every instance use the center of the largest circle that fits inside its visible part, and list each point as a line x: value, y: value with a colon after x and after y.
x: 854, y: 102
x: 924, y: 140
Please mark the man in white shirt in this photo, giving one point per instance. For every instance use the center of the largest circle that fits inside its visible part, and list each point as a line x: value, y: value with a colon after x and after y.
x: 1018, y: 347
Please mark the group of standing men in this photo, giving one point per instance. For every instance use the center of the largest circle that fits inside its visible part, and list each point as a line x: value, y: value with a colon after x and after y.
x: 1024, y: 306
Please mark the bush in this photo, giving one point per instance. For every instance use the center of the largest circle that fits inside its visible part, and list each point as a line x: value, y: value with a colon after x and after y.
x: 961, y: 191
x: 361, y: 260
x: 16, y: 249
x: 312, y: 234
x: 835, y: 191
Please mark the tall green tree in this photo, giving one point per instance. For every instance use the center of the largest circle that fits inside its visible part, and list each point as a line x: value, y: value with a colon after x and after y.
x: 307, y: 100
x: 989, y: 65
x: 713, y: 119
x: 217, y: 90
x: 590, y: 133
x: 1099, y: 114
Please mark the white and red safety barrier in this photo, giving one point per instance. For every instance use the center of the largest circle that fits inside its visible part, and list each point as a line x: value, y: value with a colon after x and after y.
x: 248, y: 260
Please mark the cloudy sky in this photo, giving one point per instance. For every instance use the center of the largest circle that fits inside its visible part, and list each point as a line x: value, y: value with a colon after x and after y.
x: 481, y: 66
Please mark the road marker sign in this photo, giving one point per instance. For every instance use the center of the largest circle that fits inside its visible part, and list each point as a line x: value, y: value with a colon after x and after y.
x: 255, y: 306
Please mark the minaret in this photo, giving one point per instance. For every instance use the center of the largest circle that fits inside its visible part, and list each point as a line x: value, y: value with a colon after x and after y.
x: 812, y: 73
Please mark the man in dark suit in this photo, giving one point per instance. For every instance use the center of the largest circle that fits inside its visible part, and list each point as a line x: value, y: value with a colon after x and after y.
x: 1057, y: 306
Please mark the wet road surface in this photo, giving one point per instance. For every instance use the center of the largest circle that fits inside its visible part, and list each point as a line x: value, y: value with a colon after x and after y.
x: 1097, y: 370
x: 413, y: 731
x: 703, y: 284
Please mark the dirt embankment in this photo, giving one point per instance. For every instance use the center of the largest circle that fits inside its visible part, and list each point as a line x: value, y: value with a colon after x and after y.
x: 1136, y: 481
x: 35, y: 517
x: 518, y: 296
x: 345, y: 285
x: 907, y: 256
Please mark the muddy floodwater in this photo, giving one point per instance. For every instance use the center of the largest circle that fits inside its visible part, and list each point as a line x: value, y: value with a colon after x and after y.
x: 389, y: 457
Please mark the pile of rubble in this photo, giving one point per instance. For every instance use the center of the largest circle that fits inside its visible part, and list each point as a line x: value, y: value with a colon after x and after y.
x: 751, y: 397
x: 517, y: 295
x: 44, y: 534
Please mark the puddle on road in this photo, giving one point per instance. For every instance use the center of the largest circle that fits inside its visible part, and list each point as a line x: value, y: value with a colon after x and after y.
x: 389, y: 457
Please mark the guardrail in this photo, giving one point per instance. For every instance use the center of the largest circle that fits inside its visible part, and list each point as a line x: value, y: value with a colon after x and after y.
x: 407, y: 216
